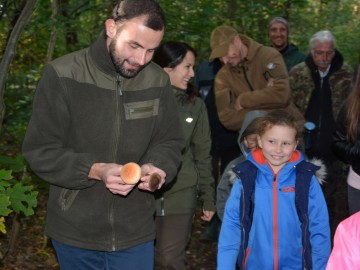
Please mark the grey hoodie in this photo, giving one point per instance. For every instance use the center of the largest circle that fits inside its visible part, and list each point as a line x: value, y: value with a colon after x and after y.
x: 227, y: 179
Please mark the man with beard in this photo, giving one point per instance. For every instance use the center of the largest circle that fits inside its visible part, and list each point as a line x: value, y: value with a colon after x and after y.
x: 94, y: 111
x: 279, y: 31
x: 253, y: 77
x: 319, y: 86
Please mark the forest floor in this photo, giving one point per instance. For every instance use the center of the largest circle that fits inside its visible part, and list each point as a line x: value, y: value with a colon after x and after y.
x: 33, y: 251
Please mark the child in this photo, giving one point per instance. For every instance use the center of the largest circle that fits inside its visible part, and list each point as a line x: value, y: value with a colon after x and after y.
x: 276, y: 238
x: 346, y: 251
x: 247, y: 143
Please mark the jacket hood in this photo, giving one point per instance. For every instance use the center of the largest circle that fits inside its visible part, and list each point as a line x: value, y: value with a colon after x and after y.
x: 322, y: 172
x: 249, y: 118
x: 258, y: 157
x: 259, y: 160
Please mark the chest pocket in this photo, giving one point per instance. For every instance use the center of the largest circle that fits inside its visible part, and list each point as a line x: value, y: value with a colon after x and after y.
x: 141, y: 109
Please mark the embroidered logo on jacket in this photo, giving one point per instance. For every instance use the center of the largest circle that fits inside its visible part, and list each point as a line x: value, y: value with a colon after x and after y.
x: 288, y: 189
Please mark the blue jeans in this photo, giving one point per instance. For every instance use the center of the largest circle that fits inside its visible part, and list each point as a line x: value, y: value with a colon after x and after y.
x: 140, y: 257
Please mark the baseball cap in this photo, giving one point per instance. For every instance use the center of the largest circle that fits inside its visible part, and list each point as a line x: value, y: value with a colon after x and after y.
x: 221, y: 38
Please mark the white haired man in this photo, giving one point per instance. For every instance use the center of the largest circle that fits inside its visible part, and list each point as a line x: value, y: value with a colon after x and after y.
x: 319, y: 86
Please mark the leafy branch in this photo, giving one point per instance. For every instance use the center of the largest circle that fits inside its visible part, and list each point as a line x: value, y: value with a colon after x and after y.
x: 17, y: 194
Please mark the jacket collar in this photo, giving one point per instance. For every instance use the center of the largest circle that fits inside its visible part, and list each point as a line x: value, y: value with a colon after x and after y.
x: 100, y: 55
x: 259, y: 156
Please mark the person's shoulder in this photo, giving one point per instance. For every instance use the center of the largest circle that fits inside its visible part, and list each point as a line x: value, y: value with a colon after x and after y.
x: 198, y: 106
x: 343, y: 74
x: 346, y: 69
x: 224, y: 73
x: 152, y: 76
x: 67, y: 64
x: 155, y: 69
x: 298, y: 68
x: 268, y: 50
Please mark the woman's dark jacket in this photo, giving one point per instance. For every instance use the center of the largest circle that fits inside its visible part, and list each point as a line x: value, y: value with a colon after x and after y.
x: 345, y: 150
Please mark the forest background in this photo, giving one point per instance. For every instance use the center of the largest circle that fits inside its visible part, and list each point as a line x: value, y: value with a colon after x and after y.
x: 35, y: 31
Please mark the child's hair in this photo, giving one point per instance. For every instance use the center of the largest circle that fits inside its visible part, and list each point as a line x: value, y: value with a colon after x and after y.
x: 279, y: 118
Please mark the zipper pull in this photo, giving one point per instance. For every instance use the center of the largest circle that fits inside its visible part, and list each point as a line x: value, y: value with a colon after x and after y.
x: 119, y: 83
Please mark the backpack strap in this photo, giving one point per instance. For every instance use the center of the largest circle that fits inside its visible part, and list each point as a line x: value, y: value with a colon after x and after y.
x: 246, y: 172
x: 304, y: 172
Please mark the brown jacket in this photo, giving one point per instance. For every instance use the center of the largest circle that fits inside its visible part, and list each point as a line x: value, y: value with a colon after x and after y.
x: 248, y: 83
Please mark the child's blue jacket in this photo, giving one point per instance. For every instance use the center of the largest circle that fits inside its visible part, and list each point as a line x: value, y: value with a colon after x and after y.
x: 275, y: 235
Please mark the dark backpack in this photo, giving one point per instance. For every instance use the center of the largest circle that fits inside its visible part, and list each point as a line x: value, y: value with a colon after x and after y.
x: 247, y: 172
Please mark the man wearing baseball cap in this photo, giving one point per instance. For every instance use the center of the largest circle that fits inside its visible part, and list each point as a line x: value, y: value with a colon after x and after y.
x: 279, y: 31
x: 254, y: 77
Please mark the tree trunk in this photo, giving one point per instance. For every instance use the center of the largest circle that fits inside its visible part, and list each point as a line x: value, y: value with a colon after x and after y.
x: 53, y: 36
x: 10, y: 50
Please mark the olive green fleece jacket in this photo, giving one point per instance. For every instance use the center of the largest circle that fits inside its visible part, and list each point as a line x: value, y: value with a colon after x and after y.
x: 248, y: 83
x: 84, y: 113
x: 194, y: 180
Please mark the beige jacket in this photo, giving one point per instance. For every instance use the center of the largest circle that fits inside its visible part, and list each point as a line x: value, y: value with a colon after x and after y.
x: 248, y: 83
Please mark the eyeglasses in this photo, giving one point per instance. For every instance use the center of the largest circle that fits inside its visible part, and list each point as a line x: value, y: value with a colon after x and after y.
x: 324, y: 53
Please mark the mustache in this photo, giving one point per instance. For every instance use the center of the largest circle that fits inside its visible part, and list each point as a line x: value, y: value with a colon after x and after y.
x: 134, y: 63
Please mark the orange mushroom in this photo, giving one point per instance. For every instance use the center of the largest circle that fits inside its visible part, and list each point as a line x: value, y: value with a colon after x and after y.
x: 130, y: 173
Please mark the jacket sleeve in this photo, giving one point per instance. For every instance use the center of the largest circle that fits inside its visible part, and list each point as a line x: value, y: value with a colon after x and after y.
x: 201, y: 146
x: 168, y: 138
x: 228, y: 115
x: 44, y: 145
x: 319, y: 226
x: 345, y: 150
x: 224, y: 187
x: 230, y: 236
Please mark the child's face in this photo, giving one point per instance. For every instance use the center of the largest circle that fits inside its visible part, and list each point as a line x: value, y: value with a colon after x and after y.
x: 278, y: 143
x: 250, y: 141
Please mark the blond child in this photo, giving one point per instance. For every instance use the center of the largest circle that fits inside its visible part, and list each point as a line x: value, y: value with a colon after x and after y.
x: 272, y: 235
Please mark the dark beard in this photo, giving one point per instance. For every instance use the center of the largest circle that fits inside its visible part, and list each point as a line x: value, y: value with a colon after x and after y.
x: 119, y: 64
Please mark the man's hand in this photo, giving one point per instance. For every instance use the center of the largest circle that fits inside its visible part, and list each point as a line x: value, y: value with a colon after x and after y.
x: 149, y: 172
x: 109, y: 173
x: 207, y: 215
x: 270, y: 82
x: 235, y: 104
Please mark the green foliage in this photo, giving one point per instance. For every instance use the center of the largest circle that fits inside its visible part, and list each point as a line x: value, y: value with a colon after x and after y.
x: 17, y: 194
x: 79, y: 22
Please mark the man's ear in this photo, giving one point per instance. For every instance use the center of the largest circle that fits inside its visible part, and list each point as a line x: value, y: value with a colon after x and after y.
x: 110, y: 28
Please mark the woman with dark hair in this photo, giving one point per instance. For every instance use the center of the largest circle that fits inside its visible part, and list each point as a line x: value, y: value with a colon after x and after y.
x: 176, y: 203
x: 346, y: 144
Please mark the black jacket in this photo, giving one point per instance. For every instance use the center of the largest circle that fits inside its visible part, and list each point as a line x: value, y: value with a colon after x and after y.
x: 346, y: 151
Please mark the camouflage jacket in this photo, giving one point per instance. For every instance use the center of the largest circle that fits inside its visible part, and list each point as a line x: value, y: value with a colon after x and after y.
x: 302, y: 82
